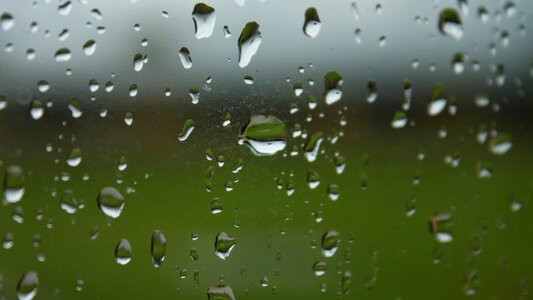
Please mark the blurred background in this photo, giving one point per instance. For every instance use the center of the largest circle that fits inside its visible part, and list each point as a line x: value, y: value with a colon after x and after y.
x: 421, y: 187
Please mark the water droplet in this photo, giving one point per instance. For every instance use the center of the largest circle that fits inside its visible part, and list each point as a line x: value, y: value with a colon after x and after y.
x: 74, y: 158
x: 333, y: 192
x: 194, y: 93
x: 298, y: 89
x: 128, y: 118
x: 64, y: 8
x: 7, y: 241
x: 138, y: 61
x: 330, y: 243
x: 500, y: 144
x: 62, y: 55
x: 27, y: 286
x: 483, y: 14
x: 7, y: 21
x: 312, y: 146
x: 313, y: 179
x: 188, y: 127
x: 133, y: 90
x: 110, y: 202
x: 355, y: 10
x: 265, y: 136
x: 320, y: 268
x: 399, y: 120
x: 458, y: 64
x: 37, y: 109
x: 123, y: 252
x: 450, y: 23
x: 75, y: 108
x: 89, y: 47
x: 220, y: 292
x: 248, y: 79
x: 248, y: 43
x: 438, y: 102
x: 333, y: 81
x: 69, y: 202
x: 227, y: 33
x: 216, y: 206
x: 372, y: 91
x: 14, y: 184
x: 185, y: 58
x: 224, y: 244
x: 312, y: 22
x: 441, y: 225
x: 158, y: 248
x: 204, y: 18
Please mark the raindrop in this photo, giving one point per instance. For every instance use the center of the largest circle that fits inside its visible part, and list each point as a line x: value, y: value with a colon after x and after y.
x: 74, y: 158
x: 185, y: 57
x: 264, y: 135
x: 320, y: 268
x: 372, y: 92
x: 399, y: 120
x: 224, y: 244
x: 227, y: 33
x: 13, y: 184
x: 248, y: 79
x: 330, y: 243
x: 158, y: 248
x: 312, y: 146
x: 220, y: 292
x: 138, y: 62
x: 313, y: 179
x: 440, y: 225
x: 500, y: 144
x: 333, y: 192
x: 62, y: 55
x: 37, y: 109
x: 27, y: 286
x: 450, y: 23
x: 438, y: 102
x: 248, y: 43
x: 458, y: 64
x: 204, y: 18
x: 7, y: 21
x: 312, y: 22
x: 110, y: 202
x: 194, y: 93
x: 89, y: 47
x: 64, y: 8
x: 123, y: 252
x: 75, y: 108
x: 69, y: 202
x: 333, y: 81
x: 188, y: 127
x: 128, y: 118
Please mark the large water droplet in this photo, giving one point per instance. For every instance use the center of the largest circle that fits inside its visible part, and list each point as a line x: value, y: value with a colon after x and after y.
x: 185, y: 58
x: 330, y: 243
x: 312, y: 22
x: 13, y: 184
x: 450, y: 23
x: 27, y: 286
x: 264, y: 135
x: 224, y: 244
x: 220, y: 292
x: 110, y: 202
x: 248, y: 42
x: 204, y: 18
x: 158, y: 248
x: 333, y: 81
x: 123, y: 252
x: 7, y: 21
x: 62, y: 55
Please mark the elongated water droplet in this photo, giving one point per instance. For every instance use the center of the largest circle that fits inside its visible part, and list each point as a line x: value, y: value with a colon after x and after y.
x: 64, y: 8
x: 27, y: 286
x: 437, y: 103
x: 75, y: 108
x: 312, y: 147
x: 372, y: 91
x: 110, y: 202
x: 333, y: 81
x: 138, y: 62
x: 158, y: 248
x: 185, y: 58
x: 13, y: 184
x: 450, y: 23
x: 224, y: 244
x: 248, y: 43
x: 264, y: 135
x: 227, y: 33
x: 330, y: 243
x: 312, y: 22
x: 188, y: 127
x: 89, y: 47
x: 204, y: 19
x: 220, y: 292
x: 123, y: 252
